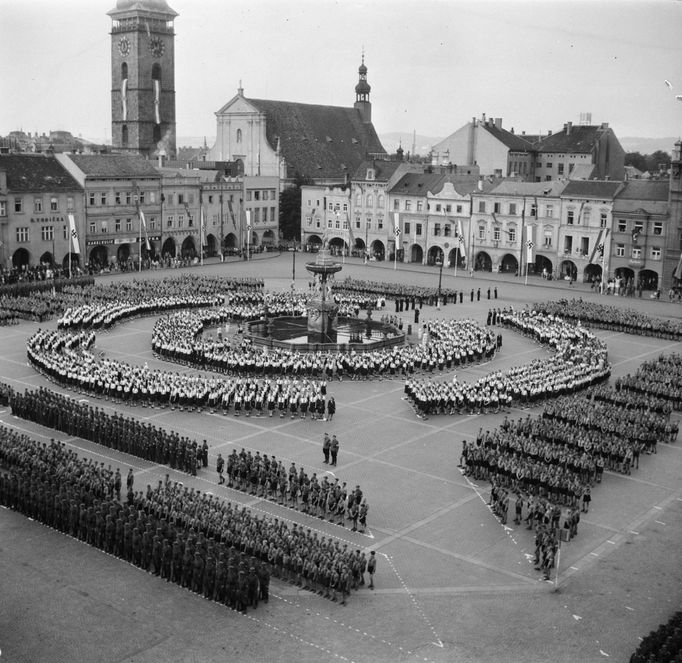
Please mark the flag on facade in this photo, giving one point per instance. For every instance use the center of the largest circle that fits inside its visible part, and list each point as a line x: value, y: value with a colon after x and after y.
x: 580, y: 213
x: 203, y: 226
x: 247, y: 214
x: 143, y: 223
x: 496, y: 221
x: 530, y: 244
x: 351, y: 237
x: 460, y: 238
x: 229, y: 207
x: 678, y: 270
x: 599, y: 246
x: 74, y: 234
x: 396, y: 224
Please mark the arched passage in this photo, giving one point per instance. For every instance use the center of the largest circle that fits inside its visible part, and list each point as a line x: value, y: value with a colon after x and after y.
x: 569, y: 269
x: 592, y: 274
x: 211, y: 245
x: 434, y: 255
x: 648, y: 279
x: 123, y: 253
x: 337, y: 246
x: 378, y: 250
x: 230, y: 241
x: 21, y: 258
x: 269, y: 238
x: 99, y: 257
x: 168, y: 248
x: 543, y: 265
x: 75, y: 260
x: 455, y: 257
x: 47, y: 258
x: 188, y: 249
x: 509, y: 264
x: 624, y: 273
x: 483, y: 262
x: 416, y: 254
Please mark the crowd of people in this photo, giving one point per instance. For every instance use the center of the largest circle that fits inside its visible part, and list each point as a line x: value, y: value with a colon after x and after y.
x: 183, y: 535
x: 579, y: 360
x: 268, y: 478
x: 660, y: 378
x: 602, y: 316
x: 664, y: 645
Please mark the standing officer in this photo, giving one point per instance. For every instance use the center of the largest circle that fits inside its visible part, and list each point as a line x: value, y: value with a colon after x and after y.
x: 371, y: 568
x: 326, y: 446
x: 220, y: 467
x: 334, y: 449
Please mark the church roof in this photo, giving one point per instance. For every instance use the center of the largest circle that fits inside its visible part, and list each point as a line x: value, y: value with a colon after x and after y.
x: 318, y: 141
x: 35, y: 173
x: 114, y: 165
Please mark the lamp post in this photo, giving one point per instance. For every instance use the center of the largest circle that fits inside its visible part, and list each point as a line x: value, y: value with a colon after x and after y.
x: 293, y: 277
x: 440, y: 281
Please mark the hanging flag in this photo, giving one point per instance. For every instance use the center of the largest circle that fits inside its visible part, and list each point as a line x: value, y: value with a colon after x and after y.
x: 460, y: 238
x: 350, y: 231
x: 247, y: 213
x: 203, y: 226
x: 496, y: 221
x: 144, y: 227
x: 157, y: 100
x: 599, y: 247
x: 229, y: 207
x: 678, y: 270
x: 530, y: 244
x: 124, y: 99
x: 396, y: 224
x: 580, y: 213
x: 74, y: 234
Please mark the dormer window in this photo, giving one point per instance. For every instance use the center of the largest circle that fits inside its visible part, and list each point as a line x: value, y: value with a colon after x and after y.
x: 370, y: 173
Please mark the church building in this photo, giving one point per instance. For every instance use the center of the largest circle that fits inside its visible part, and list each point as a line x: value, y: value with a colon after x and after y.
x: 287, y: 139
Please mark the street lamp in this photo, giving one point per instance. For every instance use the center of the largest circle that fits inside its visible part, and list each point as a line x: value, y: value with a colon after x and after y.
x: 440, y: 280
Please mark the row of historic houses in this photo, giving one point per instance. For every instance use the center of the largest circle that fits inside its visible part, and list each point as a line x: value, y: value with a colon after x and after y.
x: 124, y: 208
x: 584, y: 230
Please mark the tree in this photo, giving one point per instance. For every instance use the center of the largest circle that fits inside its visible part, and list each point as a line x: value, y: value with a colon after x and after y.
x: 658, y: 161
x: 636, y: 159
x: 290, y: 209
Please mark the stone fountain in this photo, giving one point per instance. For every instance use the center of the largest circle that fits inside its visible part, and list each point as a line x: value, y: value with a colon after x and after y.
x: 323, y: 311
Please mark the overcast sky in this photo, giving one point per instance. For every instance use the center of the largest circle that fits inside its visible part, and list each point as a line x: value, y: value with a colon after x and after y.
x: 433, y: 64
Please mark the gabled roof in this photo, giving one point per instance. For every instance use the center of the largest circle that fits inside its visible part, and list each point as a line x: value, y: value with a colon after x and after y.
x: 654, y: 190
x: 514, y: 142
x: 538, y: 189
x: 591, y: 189
x: 36, y: 173
x: 422, y: 184
x: 383, y: 170
x: 114, y: 165
x: 318, y: 141
x: 579, y: 139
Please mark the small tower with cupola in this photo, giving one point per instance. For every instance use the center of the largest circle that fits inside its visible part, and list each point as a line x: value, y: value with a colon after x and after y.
x: 362, y: 90
x: 143, y: 78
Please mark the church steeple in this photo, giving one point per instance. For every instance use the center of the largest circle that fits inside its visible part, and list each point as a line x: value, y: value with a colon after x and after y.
x: 362, y: 90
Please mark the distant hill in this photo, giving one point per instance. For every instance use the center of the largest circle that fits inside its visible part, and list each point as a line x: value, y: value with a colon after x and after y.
x: 647, y: 145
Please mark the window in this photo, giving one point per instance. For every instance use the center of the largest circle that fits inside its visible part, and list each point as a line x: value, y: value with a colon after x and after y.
x: 37, y: 204
x: 568, y: 244
x: 181, y: 198
x: 407, y: 228
x: 129, y: 224
x: 458, y: 209
x: 117, y: 225
x: 585, y: 216
x: 380, y: 222
x: 418, y: 228
x: 549, y: 164
x: 329, y: 223
x: 256, y: 195
x: 102, y: 198
x: 656, y: 252
x: 549, y: 211
x: 23, y: 235
x: 117, y: 197
x: 272, y: 214
x: 370, y: 200
x: 181, y: 220
x: 330, y: 207
x: 658, y: 228
x: 368, y: 223
x: 169, y: 221
x: 571, y: 166
x: 256, y: 215
x: 357, y: 222
x: 408, y: 205
x: 481, y: 206
x: 190, y: 198
x: 420, y: 206
x: 69, y: 204
x: 190, y: 221
x: 533, y: 209
x: 338, y: 222
x: 105, y: 226
x: 496, y: 208
x: 438, y: 207
x: 129, y: 198
x: 560, y: 168
x: 622, y: 225
x: 448, y: 209
x: 152, y: 196
x: 639, y: 226
x: 620, y: 250
x: 345, y: 207
x: 512, y: 209
x: 548, y: 178
x: 91, y: 199
x: 3, y: 208
x: 47, y: 233
x: 512, y: 233
x: 436, y: 229
x: 380, y: 201
x: 547, y: 239
x: 636, y: 253
x: 142, y: 194
x: 569, y: 217
x: 396, y: 204
x: 496, y: 234
x: 92, y: 228
x: 54, y: 204
x: 446, y: 230
x: 481, y: 232
x: 239, y: 135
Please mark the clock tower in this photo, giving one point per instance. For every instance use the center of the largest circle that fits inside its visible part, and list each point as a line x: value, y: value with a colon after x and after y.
x: 143, y: 77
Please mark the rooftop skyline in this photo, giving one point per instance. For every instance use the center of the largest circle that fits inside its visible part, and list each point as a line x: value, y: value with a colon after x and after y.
x: 432, y: 64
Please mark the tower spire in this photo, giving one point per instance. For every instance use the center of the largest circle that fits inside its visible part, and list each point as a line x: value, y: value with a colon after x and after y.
x: 362, y: 90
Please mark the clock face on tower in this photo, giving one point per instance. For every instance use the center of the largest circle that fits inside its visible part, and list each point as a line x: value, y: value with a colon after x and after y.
x: 123, y: 46
x: 156, y: 47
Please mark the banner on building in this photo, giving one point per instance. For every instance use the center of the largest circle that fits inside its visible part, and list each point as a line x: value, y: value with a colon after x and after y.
x: 599, y: 246
x: 460, y: 239
x: 74, y: 234
x: 530, y: 244
x: 143, y: 223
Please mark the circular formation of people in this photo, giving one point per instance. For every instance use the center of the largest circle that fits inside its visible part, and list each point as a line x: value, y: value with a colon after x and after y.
x: 543, y: 467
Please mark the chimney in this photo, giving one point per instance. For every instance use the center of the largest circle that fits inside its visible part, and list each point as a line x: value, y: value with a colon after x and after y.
x: 569, y: 126
x: 549, y: 132
x: 498, y: 123
x: 483, y: 118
